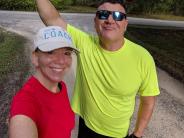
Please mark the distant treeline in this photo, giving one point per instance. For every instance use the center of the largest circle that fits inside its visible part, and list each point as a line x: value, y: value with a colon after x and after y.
x: 175, y: 7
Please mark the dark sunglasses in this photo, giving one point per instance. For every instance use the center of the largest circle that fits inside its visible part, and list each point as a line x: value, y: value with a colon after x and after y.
x: 116, y: 15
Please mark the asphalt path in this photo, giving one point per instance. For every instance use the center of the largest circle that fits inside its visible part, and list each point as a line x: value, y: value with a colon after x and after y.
x: 29, y: 22
x: 168, y: 117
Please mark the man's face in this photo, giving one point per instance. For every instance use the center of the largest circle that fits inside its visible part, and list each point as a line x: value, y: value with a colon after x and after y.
x: 110, y: 29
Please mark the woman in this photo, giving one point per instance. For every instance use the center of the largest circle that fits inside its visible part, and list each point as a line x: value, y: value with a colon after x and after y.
x: 41, y: 108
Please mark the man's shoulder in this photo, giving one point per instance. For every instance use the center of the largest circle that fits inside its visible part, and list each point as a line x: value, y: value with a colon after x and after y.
x: 81, y: 38
x: 134, y: 45
x: 137, y: 49
x: 78, y: 31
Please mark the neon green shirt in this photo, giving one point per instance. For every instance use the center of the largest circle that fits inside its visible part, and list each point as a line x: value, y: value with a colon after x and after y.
x: 107, y: 83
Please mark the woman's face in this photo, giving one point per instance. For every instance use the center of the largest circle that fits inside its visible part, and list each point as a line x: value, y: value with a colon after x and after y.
x: 53, y: 65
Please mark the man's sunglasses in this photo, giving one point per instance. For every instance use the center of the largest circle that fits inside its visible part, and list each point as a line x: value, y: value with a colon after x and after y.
x: 116, y: 15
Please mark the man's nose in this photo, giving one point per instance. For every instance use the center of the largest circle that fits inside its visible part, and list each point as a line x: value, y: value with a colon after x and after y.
x: 110, y: 19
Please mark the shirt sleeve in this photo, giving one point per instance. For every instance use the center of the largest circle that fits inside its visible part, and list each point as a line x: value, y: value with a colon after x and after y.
x: 24, y: 104
x: 78, y: 36
x: 149, y: 85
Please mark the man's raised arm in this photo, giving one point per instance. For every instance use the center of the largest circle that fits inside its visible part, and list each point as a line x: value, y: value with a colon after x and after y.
x: 49, y: 14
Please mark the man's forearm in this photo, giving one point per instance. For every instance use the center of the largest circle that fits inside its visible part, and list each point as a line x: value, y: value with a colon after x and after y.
x: 49, y: 14
x: 145, y: 111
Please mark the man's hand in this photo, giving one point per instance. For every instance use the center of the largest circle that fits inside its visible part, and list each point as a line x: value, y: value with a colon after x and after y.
x: 49, y: 15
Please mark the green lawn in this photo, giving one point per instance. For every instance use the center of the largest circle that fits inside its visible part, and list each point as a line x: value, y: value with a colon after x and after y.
x: 12, y: 55
x: 77, y: 9
x: 166, y: 46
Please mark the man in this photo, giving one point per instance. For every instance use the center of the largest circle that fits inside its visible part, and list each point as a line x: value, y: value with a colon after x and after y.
x: 111, y: 70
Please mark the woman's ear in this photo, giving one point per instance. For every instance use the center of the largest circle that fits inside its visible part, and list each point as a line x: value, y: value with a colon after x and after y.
x: 34, y: 59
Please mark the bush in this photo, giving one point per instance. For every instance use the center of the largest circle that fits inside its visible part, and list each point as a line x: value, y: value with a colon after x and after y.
x: 175, y: 7
x: 28, y: 5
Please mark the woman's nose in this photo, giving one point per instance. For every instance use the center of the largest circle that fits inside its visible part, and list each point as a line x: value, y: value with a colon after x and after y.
x: 60, y: 58
x: 63, y: 58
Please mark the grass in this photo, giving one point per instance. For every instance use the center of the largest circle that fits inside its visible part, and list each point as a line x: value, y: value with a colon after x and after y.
x: 12, y: 55
x: 166, y: 46
x: 14, y: 68
x: 78, y: 9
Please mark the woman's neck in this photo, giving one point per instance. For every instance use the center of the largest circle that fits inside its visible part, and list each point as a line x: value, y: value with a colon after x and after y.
x: 51, y: 86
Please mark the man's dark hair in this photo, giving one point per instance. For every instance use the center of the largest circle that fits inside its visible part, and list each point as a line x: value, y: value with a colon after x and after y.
x: 121, y: 2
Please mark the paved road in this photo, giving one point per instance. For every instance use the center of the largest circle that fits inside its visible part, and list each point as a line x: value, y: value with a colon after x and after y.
x: 29, y: 22
x: 168, y: 119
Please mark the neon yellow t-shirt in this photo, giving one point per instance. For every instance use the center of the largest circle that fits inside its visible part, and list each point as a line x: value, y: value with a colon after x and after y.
x: 107, y: 83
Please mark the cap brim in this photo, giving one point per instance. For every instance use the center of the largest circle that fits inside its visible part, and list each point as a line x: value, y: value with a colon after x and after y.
x: 50, y: 46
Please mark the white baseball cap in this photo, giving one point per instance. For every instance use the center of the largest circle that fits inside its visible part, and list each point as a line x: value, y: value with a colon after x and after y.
x: 51, y: 38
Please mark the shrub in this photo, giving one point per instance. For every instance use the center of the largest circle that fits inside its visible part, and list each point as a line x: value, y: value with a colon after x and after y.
x: 28, y: 5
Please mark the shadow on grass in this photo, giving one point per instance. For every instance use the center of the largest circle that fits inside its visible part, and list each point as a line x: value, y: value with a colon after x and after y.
x: 165, y: 45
